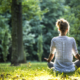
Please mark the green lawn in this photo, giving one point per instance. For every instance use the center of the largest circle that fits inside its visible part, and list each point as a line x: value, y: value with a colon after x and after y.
x: 34, y: 71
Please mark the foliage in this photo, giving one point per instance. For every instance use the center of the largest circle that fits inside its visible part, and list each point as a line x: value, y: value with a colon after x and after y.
x: 72, y: 14
x: 37, y: 30
x: 75, y: 6
x: 31, y: 14
x: 28, y: 37
x: 31, y: 9
x: 39, y: 16
x: 5, y: 5
x: 55, y: 10
x: 34, y: 71
x: 5, y: 37
x: 40, y: 47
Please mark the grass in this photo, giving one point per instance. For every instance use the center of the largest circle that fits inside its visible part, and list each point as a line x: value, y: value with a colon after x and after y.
x: 34, y: 71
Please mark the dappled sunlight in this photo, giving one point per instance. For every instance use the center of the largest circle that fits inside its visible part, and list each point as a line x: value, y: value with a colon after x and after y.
x: 34, y: 71
x: 48, y: 77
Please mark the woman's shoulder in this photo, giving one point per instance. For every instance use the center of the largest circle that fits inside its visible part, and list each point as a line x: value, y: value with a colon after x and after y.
x: 71, y: 38
x: 55, y: 38
x: 66, y: 37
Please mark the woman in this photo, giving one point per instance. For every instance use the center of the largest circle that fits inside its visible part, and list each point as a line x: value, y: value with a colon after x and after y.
x: 64, y: 46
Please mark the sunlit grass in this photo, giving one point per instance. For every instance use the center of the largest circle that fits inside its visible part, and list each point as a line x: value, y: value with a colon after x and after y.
x: 34, y: 71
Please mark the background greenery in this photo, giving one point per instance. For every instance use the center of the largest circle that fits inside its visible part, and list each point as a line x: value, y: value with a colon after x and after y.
x: 39, y: 18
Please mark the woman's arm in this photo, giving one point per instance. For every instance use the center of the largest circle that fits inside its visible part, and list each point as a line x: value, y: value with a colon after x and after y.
x: 51, y: 56
x: 77, y: 56
x: 52, y: 49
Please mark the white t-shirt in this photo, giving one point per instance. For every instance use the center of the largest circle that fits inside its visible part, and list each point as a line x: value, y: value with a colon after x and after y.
x: 65, y: 48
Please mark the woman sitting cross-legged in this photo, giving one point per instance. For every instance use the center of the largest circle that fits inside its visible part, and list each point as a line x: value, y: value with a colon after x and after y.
x: 65, y: 48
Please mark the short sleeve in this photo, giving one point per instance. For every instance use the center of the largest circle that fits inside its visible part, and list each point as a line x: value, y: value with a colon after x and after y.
x: 52, y: 47
x: 74, y: 47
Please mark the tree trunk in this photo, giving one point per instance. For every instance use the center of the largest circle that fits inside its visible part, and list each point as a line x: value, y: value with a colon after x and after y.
x: 17, y: 40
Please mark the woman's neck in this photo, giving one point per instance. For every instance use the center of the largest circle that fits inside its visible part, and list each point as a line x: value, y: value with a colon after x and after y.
x: 62, y: 34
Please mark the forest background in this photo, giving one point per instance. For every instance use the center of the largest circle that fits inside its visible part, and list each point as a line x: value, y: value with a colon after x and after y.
x: 38, y: 26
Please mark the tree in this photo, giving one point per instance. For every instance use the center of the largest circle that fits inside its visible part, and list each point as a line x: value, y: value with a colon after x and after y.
x: 32, y: 13
x: 4, y: 38
x: 28, y: 38
x: 40, y: 47
x: 17, y: 39
x: 5, y: 31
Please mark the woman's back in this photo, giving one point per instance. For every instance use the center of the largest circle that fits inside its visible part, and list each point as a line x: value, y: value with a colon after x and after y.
x: 63, y: 57
x: 65, y: 46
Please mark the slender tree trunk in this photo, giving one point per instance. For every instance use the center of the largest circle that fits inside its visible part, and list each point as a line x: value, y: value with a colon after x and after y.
x: 17, y: 39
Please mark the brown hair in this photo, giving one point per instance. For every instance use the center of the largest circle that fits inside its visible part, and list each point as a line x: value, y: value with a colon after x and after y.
x: 62, y: 24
